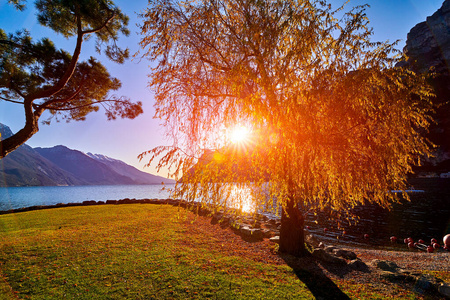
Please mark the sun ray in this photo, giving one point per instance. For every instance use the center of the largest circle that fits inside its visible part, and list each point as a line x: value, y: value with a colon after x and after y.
x: 239, y: 134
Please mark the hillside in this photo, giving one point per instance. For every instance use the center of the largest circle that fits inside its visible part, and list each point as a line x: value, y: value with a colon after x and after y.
x: 60, y: 165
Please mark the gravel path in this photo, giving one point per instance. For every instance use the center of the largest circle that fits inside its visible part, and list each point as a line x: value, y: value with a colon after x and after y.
x: 438, y: 261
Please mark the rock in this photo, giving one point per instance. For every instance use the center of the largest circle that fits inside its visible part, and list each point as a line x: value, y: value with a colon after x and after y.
x: 275, y: 239
x: 330, y: 249
x: 427, y: 43
x: 345, y: 254
x: 358, y: 264
x: 322, y: 255
x: 395, y: 277
x: 423, y: 284
x: 267, y: 233
x: 312, y: 240
x: 254, y: 233
x: 428, y: 46
x: 216, y: 218
x: 444, y: 290
x: 385, y: 265
x: 89, y: 202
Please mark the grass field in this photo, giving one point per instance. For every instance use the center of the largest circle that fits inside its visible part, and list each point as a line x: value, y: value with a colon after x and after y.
x: 143, y: 251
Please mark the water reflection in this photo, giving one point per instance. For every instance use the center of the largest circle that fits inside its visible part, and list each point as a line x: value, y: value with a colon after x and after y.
x: 427, y: 215
x: 242, y: 198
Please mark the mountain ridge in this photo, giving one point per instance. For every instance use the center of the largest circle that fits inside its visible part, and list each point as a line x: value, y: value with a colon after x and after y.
x: 59, y: 165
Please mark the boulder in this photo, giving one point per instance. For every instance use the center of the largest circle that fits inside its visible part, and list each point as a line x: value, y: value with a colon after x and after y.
x: 330, y: 249
x: 423, y: 284
x: 345, y: 254
x: 357, y: 264
x: 89, y: 202
x: 385, y: 265
x: 395, y: 276
x: 444, y: 290
x: 312, y: 240
x: 275, y: 239
x: 267, y: 233
x: 254, y: 233
x: 324, y: 256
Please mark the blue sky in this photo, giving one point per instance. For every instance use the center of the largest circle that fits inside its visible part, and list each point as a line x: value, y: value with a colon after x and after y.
x: 125, y: 139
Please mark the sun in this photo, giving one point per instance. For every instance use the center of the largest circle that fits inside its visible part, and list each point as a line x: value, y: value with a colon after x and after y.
x: 239, y: 134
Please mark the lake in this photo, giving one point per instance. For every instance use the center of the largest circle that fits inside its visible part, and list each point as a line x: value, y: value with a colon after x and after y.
x: 18, y: 197
x: 426, y: 216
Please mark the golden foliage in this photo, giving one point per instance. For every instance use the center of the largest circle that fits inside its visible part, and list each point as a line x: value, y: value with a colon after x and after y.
x: 334, y: 122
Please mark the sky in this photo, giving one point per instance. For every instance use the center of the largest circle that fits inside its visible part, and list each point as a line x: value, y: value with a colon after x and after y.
x: 125, y: 139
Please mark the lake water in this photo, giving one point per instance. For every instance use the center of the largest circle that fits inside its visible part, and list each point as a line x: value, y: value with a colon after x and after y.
x: 18, y: 197
x: 426, y: 216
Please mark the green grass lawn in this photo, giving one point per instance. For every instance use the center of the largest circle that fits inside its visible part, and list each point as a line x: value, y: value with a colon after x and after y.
x: 140, y: 251
x: 128, y: 252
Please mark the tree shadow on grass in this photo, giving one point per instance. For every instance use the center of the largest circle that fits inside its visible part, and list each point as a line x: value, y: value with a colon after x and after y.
x: 311, y: 274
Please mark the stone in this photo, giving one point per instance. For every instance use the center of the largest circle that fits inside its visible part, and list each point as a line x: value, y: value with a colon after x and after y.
x: 358, y: 264
x: 275, y: 239
x: 216, y: 218
x: 393, y: 276
x: 254, y: 233
x: 444, y: 290
x: 89, y: 202
x: 267, y: 233
x: 423, y: 283
x: 322, y: 255
x: 330, y: 249
x: 345, y: 254
x: 312, y: 240
x: 385, y: 265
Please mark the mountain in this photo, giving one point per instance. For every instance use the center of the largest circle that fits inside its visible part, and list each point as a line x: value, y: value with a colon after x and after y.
x: 25, y: 166
x: 126, y: 170
x: 428, y: 49
x: 428, y: 43
x: 60, y: 165
x: 83, y: 166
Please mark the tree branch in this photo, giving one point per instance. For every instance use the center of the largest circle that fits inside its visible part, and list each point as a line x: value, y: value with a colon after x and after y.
x: 46, y: 105
x: 69, y: 71
x: 99, y: 28
x: 85, y: 105
x: 9, y: 100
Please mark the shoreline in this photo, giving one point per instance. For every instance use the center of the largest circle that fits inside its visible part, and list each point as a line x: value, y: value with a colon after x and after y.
x: 248, y: 227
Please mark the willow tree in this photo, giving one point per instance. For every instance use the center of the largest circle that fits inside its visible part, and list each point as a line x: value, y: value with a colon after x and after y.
x: 334, y: 124
x: 39, y: 77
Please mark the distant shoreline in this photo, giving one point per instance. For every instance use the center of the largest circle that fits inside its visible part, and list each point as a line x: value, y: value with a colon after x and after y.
x: 92, y: 202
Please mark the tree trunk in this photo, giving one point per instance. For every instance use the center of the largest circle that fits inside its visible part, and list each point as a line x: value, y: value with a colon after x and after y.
x: 31, y: 127
x: 292, y: 236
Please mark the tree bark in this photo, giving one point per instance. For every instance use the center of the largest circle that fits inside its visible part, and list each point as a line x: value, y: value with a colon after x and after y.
x: 292, y: 236
x: 31, y: 127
